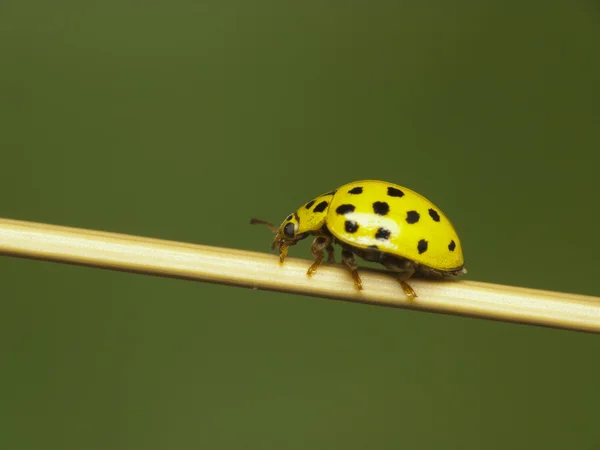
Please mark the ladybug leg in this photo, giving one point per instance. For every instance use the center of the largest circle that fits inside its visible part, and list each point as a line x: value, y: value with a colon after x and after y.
x: 404, y: 270
x: 348, y: 260
x: 408, y: 290
x: 283, y: 250
x: 318, y: 246
x: 330, y: 254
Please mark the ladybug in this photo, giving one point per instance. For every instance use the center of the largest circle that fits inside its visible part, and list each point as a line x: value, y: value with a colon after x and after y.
x: 380, y: 222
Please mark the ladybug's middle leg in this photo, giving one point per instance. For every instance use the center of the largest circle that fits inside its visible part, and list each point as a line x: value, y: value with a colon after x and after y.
x: 318, y: 246
x: 330, y: 254
x: 348, y: 260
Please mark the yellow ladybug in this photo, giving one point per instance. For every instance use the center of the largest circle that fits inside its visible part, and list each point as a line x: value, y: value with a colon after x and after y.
x: 380, y: 222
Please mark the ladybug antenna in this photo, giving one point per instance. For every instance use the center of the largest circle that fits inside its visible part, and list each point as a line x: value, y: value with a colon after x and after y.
x: 273, y: 228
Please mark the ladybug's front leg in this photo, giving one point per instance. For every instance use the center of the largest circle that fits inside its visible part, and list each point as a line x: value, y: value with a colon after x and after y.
x: 283, y: 250
x: 318, y: 246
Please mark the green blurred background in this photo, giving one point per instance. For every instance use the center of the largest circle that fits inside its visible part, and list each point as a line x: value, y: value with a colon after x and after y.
x: 181, y: 120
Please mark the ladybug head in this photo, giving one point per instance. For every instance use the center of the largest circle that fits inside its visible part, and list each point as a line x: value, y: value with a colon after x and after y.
x: 286, y: 235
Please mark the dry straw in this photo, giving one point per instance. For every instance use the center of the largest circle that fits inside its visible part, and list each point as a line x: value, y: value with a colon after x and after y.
x: 262, y: 271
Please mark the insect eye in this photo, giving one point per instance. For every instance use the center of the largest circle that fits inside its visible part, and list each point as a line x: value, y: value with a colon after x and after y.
x: 288, y: 230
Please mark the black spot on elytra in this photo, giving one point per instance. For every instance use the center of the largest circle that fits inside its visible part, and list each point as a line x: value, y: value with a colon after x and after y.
x: 394, y: 192
x: 452, y: 245
x: 288, y: 218
x: 309, y: 204
x: 434, y: 214
x: 356, y: 190
x: 345, y: 209
x: 321, y: 206
x: 381, y: 208
x: 412, y: 216
x: 383, y: 234
x: 351, y: 226
x: 296, y: 216
x: 288, y: 230
x: 422, y: 246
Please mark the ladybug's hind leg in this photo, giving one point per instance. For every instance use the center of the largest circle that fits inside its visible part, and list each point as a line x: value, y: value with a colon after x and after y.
x: 404, y: 269
x: 318, y: 246
x: 348, y: 260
